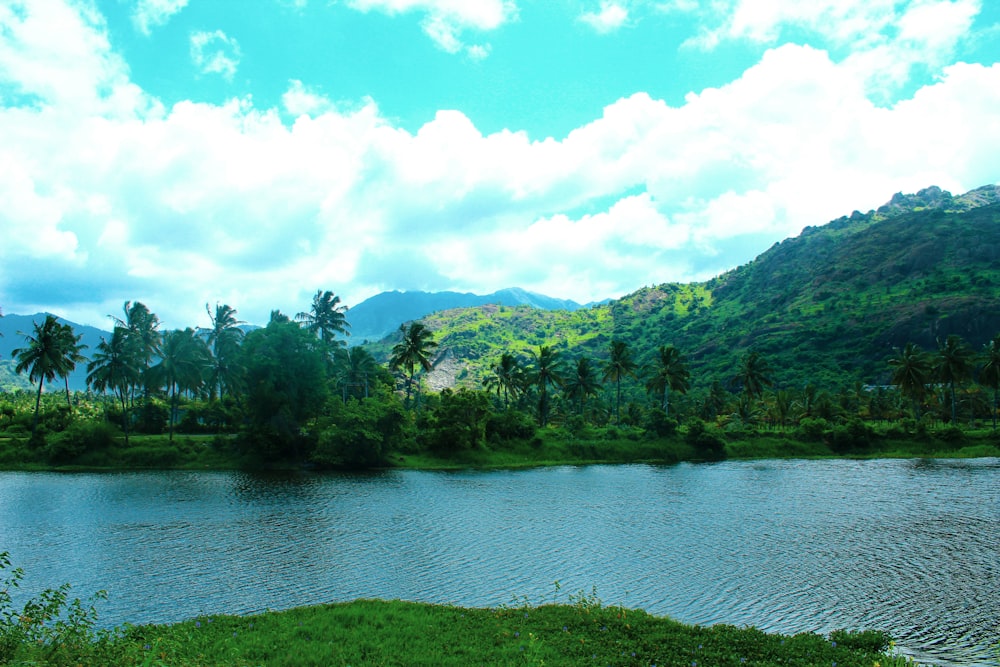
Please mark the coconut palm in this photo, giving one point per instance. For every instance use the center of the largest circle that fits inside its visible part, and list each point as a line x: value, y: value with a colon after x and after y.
x: 620, y: 365
x: 911, y: 372
x: 989, y: 376
x: 184, y: 359
x: 582, y: 382
x: 668, y: 374
x: 141, y: 326
x: 546, y: 371
x: 326, y: 318
x: 952, y: 365
x: 223, y: 338
x: 753, y: 375
x: 117, y: 365
x: 354, y: 368
x: 506, y: 378
x: 412, y: 352
x: 71, y: 354
x: 44, y: 357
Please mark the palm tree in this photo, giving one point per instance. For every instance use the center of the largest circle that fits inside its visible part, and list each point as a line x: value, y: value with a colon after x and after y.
x: 990, y: 374
x: 669, y: 374
x: 116, y: 366
x: 912, y: 369
x: 43, y: 358
x: 224, y: 338
x: 620, y: 365
x: 326, y: 318
x: 753, y: 375
x: 953, y: 364
x: 412, y: 352
x: 582, y: 382
x: 547, y: 370
x: 184, y: 357
x: 506, y: 378
x: 142, y: 327
x: 355, y: 367
x: 71, y: 354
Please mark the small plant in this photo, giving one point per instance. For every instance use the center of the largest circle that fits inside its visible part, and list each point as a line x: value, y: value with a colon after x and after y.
x: 50, y: 629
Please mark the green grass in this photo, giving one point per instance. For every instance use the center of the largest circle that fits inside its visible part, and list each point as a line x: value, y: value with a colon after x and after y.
x: 371, y: 632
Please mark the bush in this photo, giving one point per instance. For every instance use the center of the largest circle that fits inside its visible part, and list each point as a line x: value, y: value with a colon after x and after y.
x: 707, y: 446
x: 509, y: 425
x: 812, y: 429
x: 78, y: 439
x: 362, y: 435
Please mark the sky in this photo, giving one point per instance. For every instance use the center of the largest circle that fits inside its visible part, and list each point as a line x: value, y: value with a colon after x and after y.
x: 251, y: 152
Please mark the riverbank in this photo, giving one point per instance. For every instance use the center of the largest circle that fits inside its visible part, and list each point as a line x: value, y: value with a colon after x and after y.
x: 372, y: 632
x: 550, y: 447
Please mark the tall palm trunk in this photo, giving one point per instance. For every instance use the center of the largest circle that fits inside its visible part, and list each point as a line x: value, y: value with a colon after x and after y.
x: 38, y: 402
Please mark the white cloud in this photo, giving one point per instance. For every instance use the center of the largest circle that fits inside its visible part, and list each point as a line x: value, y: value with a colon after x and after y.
x: 445, y: 21
x: 611, y: 17
x: 107, y: 196
x: 215, y: 53
x: 149, y: 14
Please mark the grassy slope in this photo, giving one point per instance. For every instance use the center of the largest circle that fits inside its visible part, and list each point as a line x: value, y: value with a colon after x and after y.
x: 371, y: 632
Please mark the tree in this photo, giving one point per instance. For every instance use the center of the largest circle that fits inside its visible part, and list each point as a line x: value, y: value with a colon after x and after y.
x: 506, y: 378
x: 184, y: 359
x: 326, y: 318
x: 354, y: 370
x: 224, y: 338
x: 547, y: 370
x: 910, y: 374
x: 582, y: 382
x: 71, y: 353
x: 989, y: 376
x: 285, y: 387
x: 953, y: 364
x: 412, y: 352
x: 753, y: 375
x: 117, y: 365
x: 668, y: 374
x: 141, y: 326
x: 44, y: 358
x: 619, y: 366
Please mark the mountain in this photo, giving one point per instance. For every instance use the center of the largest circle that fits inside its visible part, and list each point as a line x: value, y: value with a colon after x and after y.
x: 382, y: 314
x: 10, y: 325
x: 826, y: 307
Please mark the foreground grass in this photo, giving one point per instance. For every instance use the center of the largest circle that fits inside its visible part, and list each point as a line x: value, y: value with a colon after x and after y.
x: 369, y: 632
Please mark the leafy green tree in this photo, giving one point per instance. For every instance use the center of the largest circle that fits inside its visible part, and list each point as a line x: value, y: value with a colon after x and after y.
x: 953, y: 365
x: 989, y: 376
x: 46, y: 356
x: 361, y: 433
x: 326, y: 318
x: 117, y: 365
x: 911, y: 371
x: 457, y: 422
x: 620, y: 365
x: 506, y: 377
x: 224, y: 337
x: 582, y: 383
x: 413, y: 352
x: 753, y: 375
x: 668, y: 373
x: 285, y: 387
x: 184, y: 360
x: 545, y: 372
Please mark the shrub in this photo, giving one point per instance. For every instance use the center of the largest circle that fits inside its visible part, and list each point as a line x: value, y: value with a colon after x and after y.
x: 707, y: 446
x: 812, y: 429
x: 509, y: 425
x: 78, y: 439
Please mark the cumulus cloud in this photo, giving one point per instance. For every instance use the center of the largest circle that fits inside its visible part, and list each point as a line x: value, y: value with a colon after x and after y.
x: 215, y: 53
x: 106, y: 195
x: 149, y: 14
x: 612, y: 16
x: 446, y: 21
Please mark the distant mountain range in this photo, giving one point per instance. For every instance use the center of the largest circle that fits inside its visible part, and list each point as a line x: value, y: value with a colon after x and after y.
x: 379, y: 316
x: 372, y: 319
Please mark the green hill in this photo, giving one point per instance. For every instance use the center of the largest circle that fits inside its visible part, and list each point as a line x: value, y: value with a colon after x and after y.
x: 827, y: 307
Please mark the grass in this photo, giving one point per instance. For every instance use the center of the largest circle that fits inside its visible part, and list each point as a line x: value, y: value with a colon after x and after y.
x: 373, y: 632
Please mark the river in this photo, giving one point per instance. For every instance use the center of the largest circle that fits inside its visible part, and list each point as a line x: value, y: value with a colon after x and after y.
x: 908, y: 546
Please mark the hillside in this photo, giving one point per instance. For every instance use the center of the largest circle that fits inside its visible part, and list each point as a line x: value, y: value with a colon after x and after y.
x: 380, y: 315
x: 826, y: 307
x: 11, y: 325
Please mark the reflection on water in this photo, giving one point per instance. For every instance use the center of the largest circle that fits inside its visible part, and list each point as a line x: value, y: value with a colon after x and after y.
x: 790, y: 546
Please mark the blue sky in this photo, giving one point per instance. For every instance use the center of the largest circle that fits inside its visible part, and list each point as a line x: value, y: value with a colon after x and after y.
x: 184, y: 152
